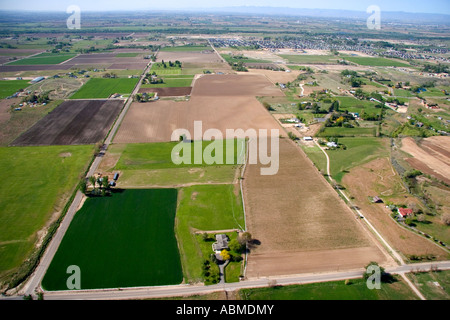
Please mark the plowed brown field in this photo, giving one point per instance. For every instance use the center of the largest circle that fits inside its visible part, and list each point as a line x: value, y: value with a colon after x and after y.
x: 301, y: 223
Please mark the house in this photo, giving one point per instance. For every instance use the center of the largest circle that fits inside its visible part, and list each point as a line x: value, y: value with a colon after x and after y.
x: 404, y: 213
x: 220, y: 244
x: 332, y: 145
x: 377, y: 199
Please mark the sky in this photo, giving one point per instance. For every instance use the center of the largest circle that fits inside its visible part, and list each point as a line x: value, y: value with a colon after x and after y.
x: 416, y: 6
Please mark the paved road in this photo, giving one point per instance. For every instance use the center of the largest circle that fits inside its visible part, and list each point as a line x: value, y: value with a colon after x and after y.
x: 36, y: 278
x: 186, y: 290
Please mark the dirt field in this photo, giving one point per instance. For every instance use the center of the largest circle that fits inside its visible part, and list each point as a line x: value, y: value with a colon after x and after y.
x: 109, y: 59
x: 378, y: 178
x: 235, y: 85
x: 73, y: 123
x: 431, y: 156
x: 210, y: 102
x: 5, y: 107
x: 189, y: 57
x: 278, y: 76
x: 156, y: 121
x: 169, y: 92
x: 301, y: 223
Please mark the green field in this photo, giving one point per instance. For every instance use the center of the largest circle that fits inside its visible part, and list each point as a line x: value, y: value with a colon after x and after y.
x: 44, y: 59
x: 356, y: 290
x: 98, y: 88
x: 126, y: 240
x: 186, y: 48
x: 159, y: 69
x: 359, y: 151
x: 231, y: 59
x: 378, y: 62
x: 9, y: 87
x: 348, y: 132
x: 32, y: 191
x: 433, y: 285
x: 310, y: 59
x: 128, y: 55
x: 154, y: 156
x: 172, y: 82
x: 205, y: 208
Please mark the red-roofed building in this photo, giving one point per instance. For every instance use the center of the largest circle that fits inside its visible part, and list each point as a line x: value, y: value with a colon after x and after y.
x: 405, y: 212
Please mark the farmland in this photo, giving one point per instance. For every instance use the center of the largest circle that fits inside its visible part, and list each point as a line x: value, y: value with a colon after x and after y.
x: 285, y: 245
x: 209, y: 80
x: 9, y: 87
x: 43, y: 59
x: 310, y: 59
x: 46, y: 190
x: 72, y: 123
x: 355, y: 290
x: 102, y: 233
x: 377, y: 62
x: 97, y: 88
x: 205, y: 208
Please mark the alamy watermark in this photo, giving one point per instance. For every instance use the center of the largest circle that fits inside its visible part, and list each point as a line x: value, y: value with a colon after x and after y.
x: 373, y: 275
x: 374, y: 21
x: 74, y: 281
x: 74, y: 21
x: 221, y: 150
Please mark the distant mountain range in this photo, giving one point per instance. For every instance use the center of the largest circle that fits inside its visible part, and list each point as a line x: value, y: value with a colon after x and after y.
x: 331, y: 13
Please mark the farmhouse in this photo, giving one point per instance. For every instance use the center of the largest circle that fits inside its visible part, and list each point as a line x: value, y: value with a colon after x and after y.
x: 221, y: 244
x: 404, y: 213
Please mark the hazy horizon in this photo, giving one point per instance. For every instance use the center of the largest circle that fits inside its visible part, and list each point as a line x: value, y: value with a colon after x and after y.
x: 412, y: 6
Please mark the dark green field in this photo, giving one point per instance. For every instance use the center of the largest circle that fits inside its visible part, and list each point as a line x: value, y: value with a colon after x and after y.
x: 99, y: 88
x: 43, y: 59
x: 127, y: 240
x: 378, y: 62
x: 9, y: 87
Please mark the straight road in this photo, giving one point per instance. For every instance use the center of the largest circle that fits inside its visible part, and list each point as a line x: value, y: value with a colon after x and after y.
x: 187, y: 290
x: 36, y: 278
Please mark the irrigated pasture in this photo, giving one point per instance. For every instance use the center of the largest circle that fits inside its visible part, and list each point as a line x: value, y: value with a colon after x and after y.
x: 9, y: 87
x: 97, y: 88
x: 300, y: 222
x: 127, y: 240
x: 73, y: 123
x: 36, y: 184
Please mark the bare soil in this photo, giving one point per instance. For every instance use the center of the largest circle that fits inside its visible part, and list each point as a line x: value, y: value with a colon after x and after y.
x: 73, y: 123
x: 379, y: 178
x: 210, y: 103
x: 168, y: 92
x: 300, y: 222
x: 431, y: 156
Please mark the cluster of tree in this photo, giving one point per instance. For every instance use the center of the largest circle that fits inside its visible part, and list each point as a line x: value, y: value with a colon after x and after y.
x: 110, y: 75
x: 143, y: 97
x: 37, y: 98
x: 339, y: 119
x: 436, y: 68
x: 176, y: 64
x: 308, y: 70
x: 100, y: 186
x: 239, y: 66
